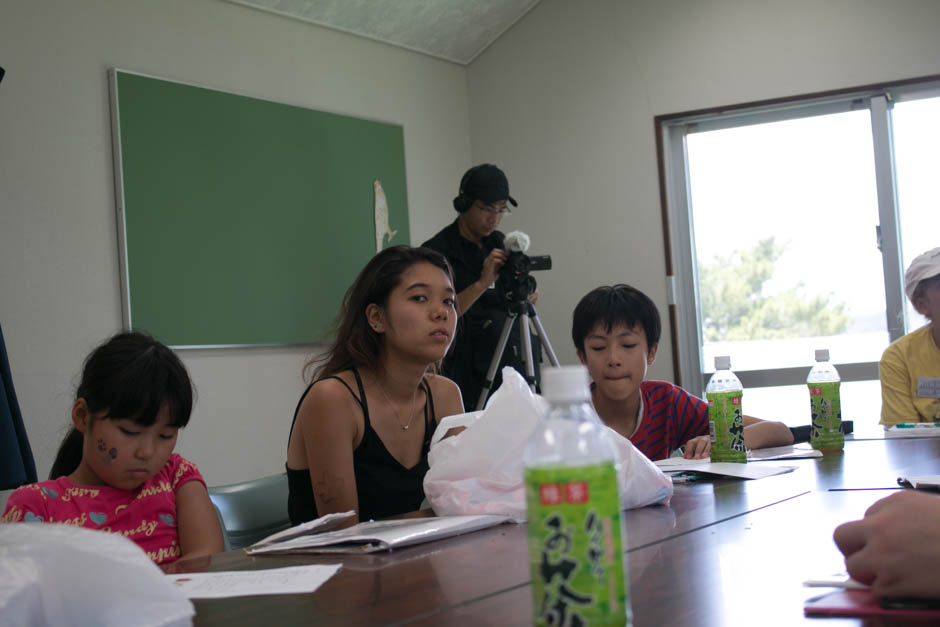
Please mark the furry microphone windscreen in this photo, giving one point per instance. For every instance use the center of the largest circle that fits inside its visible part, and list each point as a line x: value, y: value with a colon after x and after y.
x: 517, y: 242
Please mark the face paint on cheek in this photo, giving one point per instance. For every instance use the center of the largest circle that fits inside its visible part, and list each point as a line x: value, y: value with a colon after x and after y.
x: 107, y: 456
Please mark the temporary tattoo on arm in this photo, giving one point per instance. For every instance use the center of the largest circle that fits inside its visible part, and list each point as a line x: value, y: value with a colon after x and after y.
x: 329, y: 483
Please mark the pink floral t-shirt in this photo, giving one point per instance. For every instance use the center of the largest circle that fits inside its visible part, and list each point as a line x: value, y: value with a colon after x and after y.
x: 146, y: 515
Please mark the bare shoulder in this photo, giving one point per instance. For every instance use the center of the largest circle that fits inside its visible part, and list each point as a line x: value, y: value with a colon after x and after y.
x: 441, y: 385
x: 447, y: 398
x: 329, y: 397
x: 440, y: 382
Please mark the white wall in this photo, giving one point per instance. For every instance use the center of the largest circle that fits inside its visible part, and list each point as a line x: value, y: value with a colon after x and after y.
x: 565, y: 102
x: 59, y: 290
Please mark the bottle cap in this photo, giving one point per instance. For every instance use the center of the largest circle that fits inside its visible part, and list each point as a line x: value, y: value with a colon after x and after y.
x: 723, y: 362
x: 566, y: 383
x: 822, y: 354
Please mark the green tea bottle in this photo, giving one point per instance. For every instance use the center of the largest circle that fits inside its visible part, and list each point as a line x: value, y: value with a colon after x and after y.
x: 575, y: 526
x: 825, y: 405
x: 725, y: 419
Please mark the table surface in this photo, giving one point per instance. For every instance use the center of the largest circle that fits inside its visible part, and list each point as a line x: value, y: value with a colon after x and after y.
x: 723, y: 552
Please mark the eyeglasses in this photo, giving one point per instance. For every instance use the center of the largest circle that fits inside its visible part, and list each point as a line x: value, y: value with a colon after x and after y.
x: 493, y: 209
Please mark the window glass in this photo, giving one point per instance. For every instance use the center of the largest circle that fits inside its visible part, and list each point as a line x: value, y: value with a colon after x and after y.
x: 861, y: 403
x: 917, y: 168
x: 784, y: 229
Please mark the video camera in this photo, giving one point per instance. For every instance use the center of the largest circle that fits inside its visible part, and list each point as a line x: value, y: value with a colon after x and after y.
x: 514, y: 281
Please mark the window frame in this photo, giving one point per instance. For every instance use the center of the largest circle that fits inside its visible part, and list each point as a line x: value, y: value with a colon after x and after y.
x: 683, y: 300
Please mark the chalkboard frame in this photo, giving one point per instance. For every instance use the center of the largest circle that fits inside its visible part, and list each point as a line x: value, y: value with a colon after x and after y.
x: 342, y: 269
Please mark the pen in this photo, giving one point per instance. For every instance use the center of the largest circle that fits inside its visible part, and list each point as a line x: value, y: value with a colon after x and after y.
x: 687, y: 477
x: 916, y: 425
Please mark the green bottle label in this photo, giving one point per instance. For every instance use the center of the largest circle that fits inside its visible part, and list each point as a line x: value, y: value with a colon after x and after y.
x: 826, y: 412
x: 726, y: 427
x: 575, y: 545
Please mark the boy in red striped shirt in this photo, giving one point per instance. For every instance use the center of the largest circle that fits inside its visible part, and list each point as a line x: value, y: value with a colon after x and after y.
x: 616, y: 332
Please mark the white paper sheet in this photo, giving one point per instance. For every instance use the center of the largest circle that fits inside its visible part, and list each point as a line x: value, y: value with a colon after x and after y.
x: 793, y: 451
x: 242, y: 583
x: 727, y: 469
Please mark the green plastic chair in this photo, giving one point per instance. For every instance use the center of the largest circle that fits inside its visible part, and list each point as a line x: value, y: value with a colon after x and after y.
x: 251, y: 510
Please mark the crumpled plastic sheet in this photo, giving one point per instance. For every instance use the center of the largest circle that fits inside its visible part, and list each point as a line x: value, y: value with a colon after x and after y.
x: 480, y: 470
x: 54, y: 574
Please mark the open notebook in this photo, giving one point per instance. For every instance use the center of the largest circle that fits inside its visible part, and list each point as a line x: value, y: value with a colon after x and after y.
x: 368, y: 537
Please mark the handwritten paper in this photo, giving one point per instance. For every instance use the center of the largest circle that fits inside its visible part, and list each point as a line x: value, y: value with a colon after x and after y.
x: 243, y: 583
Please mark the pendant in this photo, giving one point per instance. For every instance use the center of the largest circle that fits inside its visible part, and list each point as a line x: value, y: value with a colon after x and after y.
x: 405, y: 428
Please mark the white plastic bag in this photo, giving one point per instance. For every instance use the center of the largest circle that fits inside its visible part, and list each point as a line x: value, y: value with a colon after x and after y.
x: 63, y: 575
x: 479, y: 471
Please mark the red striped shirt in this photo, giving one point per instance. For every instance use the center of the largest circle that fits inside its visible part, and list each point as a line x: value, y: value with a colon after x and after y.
x: 671, y: 417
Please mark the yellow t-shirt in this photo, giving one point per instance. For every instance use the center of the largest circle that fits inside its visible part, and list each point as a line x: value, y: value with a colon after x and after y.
x: 911, y: 362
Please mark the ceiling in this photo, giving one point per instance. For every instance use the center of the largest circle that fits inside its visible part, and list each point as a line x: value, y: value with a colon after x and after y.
x: 454, y: 30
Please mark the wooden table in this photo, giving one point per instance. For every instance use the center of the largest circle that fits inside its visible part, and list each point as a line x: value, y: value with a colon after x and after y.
x: 723, y: 552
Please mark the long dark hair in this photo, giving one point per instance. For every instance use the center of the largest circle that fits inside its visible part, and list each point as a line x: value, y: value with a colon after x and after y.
x: 356, y: 344
x: 131, y: 376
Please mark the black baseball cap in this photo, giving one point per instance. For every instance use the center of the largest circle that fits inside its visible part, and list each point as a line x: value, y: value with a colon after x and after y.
x: 487, y: 183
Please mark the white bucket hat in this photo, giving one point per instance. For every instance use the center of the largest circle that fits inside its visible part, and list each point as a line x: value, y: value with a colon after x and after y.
x: 924, y: 266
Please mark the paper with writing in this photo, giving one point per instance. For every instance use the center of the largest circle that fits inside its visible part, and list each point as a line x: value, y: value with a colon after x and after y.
x: 224, y: 584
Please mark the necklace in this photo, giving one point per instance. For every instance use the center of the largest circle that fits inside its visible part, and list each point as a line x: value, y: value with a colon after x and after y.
x: 411, y: 417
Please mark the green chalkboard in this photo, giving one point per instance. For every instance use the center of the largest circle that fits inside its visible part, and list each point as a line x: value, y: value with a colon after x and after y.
x: 242, y: 221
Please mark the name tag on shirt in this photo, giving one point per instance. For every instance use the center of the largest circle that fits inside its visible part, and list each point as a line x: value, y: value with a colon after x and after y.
x: 928, y: 387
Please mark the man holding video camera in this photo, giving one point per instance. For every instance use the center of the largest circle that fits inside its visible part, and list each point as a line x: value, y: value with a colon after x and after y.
x: 476, y: 251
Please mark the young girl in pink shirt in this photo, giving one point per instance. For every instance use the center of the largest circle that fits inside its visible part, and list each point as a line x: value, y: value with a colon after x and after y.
x: 116, y: 470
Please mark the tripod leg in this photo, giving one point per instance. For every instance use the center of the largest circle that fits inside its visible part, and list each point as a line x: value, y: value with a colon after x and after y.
x: 543, y: 336
x: 527, y: 353
x: 494, y: 363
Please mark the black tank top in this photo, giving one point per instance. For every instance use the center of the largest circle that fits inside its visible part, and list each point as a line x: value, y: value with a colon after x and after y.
x: 383, y: 485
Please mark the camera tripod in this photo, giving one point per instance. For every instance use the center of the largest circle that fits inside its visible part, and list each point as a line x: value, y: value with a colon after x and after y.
x: 515, y: 310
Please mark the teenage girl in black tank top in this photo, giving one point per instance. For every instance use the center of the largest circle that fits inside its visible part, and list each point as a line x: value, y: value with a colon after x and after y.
x: 362, y: 430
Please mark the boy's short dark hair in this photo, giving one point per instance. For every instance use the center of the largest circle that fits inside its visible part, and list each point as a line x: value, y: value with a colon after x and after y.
x: 612, y: 305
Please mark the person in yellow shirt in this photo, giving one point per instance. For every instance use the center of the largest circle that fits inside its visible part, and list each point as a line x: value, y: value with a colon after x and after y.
x: 910, y: 368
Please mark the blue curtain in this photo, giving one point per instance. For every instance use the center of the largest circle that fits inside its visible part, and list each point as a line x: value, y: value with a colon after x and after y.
x: 16, y: 458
